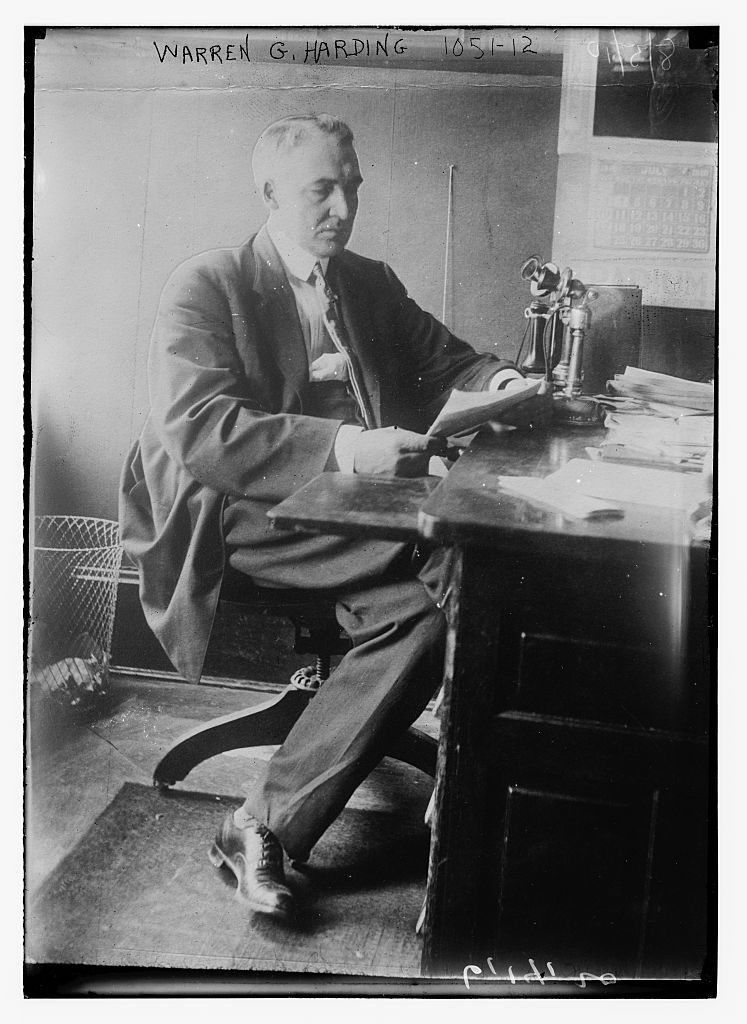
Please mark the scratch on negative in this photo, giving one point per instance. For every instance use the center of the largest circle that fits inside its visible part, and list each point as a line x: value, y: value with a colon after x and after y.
x: 537, y: 81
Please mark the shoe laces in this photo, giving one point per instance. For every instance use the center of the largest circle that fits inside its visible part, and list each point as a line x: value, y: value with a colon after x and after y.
x: 271, y: 855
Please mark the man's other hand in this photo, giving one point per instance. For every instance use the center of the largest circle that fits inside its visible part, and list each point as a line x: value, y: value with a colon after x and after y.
x: 329, y: 366
x: 395, y: 452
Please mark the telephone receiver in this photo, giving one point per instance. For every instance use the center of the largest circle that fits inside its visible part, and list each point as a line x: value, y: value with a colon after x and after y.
x: 546, y: 279
x: 559, y: 297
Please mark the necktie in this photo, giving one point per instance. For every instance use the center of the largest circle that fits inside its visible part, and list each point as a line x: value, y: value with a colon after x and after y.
x: 338, y: 334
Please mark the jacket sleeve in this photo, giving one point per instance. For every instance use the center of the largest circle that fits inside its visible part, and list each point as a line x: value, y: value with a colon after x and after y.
x: 437, y: 359
x: 208, y: 414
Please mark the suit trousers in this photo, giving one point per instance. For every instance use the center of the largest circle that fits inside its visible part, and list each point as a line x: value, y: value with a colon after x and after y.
x: 395, y: 618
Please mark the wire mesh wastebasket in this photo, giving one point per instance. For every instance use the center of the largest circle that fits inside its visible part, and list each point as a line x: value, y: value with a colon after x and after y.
x: 73, y: 601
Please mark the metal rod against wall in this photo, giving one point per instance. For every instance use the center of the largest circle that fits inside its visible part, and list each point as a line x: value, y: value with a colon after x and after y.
x: 449, y: 205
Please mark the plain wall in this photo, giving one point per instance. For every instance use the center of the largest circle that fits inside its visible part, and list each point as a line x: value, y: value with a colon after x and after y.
x: 138, y: 166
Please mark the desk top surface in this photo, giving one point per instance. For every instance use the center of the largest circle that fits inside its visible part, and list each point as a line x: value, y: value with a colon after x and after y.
x: 468, y: 506
x: 356, y: 506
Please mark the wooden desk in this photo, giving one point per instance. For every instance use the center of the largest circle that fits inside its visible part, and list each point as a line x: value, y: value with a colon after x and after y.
x: 573, y: 785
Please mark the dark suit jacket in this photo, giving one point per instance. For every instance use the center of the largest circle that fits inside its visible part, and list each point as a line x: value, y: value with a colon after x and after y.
x: 227, y: 367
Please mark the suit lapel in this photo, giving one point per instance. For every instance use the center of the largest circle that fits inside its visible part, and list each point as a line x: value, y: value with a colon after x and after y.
x: 277, y: 312
x: 358, y: 327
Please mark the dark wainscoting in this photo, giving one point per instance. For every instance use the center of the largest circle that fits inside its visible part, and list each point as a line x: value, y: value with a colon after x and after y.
x: 679, y: 341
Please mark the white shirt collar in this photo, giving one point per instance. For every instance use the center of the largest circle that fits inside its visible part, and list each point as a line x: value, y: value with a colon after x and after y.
x: 297, y: 261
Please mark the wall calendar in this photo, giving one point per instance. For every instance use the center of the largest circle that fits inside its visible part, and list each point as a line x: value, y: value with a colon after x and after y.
x: 652, y: 206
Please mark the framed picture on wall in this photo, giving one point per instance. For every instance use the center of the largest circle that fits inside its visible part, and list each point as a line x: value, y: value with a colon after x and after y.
x: 651, y: 84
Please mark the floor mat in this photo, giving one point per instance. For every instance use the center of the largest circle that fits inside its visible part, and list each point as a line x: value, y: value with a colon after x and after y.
x: 139, y: 890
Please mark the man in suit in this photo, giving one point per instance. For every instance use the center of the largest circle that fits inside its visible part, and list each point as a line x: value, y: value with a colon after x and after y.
x: 271, y: 363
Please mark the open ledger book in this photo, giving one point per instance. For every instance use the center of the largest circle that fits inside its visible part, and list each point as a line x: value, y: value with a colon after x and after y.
x: 465, y: 411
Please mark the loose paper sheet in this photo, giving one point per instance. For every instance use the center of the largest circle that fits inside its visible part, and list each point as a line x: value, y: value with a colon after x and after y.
x: 635, y: 484
x: 468, y: 410
x: 565, y: 499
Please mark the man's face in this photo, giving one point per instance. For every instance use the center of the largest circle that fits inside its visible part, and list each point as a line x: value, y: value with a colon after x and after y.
x: 313, y: 195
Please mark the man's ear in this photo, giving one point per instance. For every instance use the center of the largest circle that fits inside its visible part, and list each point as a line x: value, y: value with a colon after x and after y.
x: 268, y: 195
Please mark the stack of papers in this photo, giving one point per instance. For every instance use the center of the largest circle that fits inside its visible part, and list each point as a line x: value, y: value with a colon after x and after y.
x: 658, y: 393
x: 682, y: 442
x: 657, y: 420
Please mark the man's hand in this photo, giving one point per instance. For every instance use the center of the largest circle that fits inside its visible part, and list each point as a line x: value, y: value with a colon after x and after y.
x: 395, y: 452
x: 531, y: 413
x: 329, y: 366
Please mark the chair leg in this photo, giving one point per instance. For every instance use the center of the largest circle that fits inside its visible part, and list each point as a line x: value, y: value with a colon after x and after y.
x: 268, y: 724
x: 416, y: 748
x: 264, y: 725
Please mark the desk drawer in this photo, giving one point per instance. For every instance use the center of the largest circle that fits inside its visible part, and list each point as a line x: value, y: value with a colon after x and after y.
x: 597, y: 681
x: 600, y: 848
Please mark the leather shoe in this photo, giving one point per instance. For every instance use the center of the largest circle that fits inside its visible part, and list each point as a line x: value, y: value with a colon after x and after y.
x: 256, y: 858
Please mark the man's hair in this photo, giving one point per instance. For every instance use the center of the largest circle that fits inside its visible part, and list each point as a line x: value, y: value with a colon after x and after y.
x: 287, y: 133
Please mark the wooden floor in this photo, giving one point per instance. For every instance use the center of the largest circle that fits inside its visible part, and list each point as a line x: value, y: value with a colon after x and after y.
x: 76, y: 769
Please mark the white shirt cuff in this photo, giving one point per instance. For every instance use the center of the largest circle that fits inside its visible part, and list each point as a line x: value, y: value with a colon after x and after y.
x: 344, y: 450
x: 500, y: 379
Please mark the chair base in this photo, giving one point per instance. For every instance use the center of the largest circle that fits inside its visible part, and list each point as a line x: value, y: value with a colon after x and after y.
x: 268, y: 724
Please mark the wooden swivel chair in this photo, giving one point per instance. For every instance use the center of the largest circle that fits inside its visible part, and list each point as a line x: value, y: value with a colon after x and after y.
x: 267, y: 724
